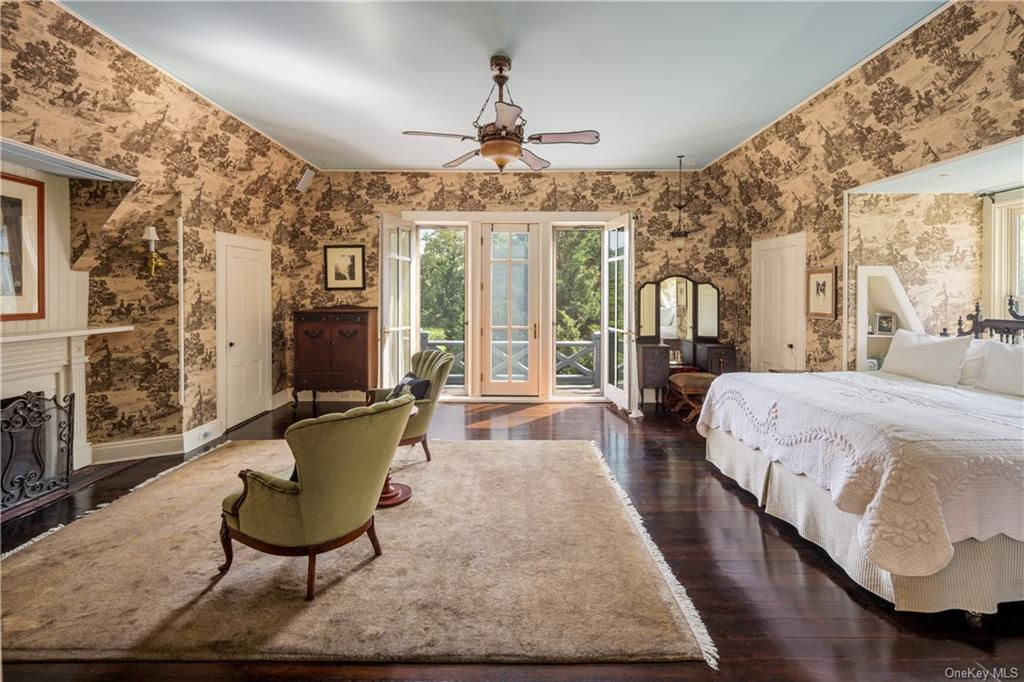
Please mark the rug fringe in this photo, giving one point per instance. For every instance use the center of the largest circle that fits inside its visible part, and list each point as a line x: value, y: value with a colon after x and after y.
x: 98, y: 507
x: 700, y: 631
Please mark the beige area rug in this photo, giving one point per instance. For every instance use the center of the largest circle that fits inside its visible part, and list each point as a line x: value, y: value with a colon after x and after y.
x: 508, y: 551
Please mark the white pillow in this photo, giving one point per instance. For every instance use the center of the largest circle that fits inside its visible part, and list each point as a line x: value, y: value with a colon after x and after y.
x: 973, y: 362
x: 1004, y: 369
x: 935, y: 359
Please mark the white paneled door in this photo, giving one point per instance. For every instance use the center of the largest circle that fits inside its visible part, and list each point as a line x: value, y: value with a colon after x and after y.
x: 247, y: 329
x: 510, y: 302
x: 778, y: 328
x: 616, y: 311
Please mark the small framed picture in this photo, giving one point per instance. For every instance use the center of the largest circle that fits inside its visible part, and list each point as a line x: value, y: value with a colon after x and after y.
x: 345, y: 266
x: 885, y: 324
x: 22, y: 249
x: 821, y: 293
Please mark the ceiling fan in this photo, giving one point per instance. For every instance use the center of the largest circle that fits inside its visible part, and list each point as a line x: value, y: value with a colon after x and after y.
x: 502, y: 141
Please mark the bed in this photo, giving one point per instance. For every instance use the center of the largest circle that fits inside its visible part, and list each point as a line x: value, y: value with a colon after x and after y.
x: 916, y: 490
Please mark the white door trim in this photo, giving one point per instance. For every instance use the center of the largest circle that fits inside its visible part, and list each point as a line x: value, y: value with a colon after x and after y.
x: 224, y: 240
x: 799, y: 240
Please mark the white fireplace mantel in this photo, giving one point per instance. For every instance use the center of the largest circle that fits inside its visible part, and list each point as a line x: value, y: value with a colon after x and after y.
x: 52, y: 361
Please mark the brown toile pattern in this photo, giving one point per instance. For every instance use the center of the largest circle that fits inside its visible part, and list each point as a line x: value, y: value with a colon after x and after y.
x: 953, y: 85
x: 934, y: 243
x: 71, y: 90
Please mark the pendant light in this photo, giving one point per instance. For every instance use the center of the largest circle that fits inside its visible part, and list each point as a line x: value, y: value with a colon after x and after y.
x: 680, y: 234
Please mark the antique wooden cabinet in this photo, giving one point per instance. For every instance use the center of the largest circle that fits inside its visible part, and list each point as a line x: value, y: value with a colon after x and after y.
x: 335, y: 349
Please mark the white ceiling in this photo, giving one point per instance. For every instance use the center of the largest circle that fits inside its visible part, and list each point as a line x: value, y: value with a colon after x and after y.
x: 996, y: 168
x: 338, y: 82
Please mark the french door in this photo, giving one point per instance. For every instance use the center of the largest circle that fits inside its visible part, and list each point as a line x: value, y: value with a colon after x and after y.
x: 509, y: 309
x: 616, y: 311
x: 397, y: 314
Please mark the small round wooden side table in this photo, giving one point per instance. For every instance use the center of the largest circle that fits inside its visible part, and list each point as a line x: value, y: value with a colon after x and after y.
x: 690, y: 388
x: 394, y: 494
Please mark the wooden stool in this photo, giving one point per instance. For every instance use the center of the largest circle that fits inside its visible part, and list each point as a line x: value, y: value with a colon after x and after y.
x: 690, y: 389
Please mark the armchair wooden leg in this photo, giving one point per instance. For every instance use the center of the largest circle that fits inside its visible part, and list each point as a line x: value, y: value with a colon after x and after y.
x: 425, y: 448
x: 311, y: 576
x: 372, y: 533
x: 225, y: 542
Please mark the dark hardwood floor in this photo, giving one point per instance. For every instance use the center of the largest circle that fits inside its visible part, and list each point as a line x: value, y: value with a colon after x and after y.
x: 776, y: 606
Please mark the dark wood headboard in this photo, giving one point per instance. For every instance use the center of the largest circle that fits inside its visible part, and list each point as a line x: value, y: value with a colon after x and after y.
x: 1007, y: 331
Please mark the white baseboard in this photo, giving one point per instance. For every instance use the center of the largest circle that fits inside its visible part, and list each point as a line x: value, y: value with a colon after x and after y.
x: 280, y: 398
x: 156, y: 446
x: 196, y: 437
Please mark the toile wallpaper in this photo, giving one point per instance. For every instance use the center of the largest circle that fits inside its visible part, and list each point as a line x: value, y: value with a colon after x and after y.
x: 953, y: 85
x: 69, y: 89
x: 934, y: 243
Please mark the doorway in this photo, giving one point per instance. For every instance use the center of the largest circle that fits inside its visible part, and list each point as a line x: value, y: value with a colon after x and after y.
x: 243, y: 328
x: 491, y: 288
x: 777, y: 326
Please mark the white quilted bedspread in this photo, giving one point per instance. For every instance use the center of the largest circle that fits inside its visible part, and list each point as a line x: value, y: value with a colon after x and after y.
x: 925, y: 465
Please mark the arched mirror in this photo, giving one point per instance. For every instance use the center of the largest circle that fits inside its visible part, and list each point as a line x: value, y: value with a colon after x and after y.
x: 678, y: 308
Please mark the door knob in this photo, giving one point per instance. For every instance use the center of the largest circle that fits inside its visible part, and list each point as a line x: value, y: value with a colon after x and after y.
x: 789, y: 346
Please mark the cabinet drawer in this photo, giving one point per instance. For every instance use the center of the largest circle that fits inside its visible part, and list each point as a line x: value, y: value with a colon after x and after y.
x: 331, y: 381
x: 312, y: 317
x: 351, y: 318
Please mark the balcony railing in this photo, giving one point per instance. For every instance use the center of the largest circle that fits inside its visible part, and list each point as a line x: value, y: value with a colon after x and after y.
x: 575, y: 361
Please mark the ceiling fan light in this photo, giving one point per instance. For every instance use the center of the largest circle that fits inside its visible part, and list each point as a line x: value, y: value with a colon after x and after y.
x: 502, y: 151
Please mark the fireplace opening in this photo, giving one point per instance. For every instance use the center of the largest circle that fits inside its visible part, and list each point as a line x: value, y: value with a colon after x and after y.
x: 36, y: 437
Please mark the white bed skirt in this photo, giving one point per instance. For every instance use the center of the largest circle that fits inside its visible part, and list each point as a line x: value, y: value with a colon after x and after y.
x: 978, y: 577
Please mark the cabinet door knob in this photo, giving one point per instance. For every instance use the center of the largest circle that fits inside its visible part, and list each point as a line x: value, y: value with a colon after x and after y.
x: 789, y: 346
x: 231, y: 344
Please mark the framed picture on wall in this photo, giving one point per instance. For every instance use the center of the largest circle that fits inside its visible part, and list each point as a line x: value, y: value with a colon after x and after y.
x: 22, y: 249
x: 821, y: 293
x: 345, y: 266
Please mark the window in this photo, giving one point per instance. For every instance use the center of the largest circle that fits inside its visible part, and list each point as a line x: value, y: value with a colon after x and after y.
x: 1015, y: 220
x: 1003, y: 257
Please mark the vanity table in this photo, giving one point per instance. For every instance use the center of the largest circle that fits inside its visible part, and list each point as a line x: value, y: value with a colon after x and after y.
x: 679, y: 332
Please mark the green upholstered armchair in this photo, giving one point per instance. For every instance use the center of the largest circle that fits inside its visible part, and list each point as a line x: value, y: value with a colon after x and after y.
x: 342, y: 461
x: 426, y: 364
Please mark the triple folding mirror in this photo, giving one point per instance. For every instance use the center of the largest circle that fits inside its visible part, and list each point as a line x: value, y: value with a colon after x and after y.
x: 678, y: 308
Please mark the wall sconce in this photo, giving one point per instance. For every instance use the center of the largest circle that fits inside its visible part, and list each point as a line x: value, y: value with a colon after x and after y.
x: 154, y: 260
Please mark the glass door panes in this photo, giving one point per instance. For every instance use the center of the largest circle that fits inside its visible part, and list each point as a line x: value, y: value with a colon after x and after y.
x: 616, y: 311
x: 510, y: 329
x: 442, y: 297
x: 397, y: 299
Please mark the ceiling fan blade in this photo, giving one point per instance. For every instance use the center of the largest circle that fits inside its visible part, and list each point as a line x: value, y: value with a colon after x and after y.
x: 425, y: 134
x: 462, y: 159
x: 505, y: 114
x: 533, y: 161
x: 578, y: 137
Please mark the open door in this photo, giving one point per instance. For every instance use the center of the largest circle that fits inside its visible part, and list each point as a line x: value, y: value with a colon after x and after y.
x: 397, y: 324
x: 617, y: 311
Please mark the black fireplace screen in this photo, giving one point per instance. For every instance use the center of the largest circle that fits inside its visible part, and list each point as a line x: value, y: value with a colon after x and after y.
x: 37, y: 433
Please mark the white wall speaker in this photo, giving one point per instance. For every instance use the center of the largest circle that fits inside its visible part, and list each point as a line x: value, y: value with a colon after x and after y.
x: 306, y: 181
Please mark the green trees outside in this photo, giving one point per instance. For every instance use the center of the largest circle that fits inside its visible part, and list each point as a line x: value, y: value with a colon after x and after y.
x: 577, y: 282
x: 443, y: 283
